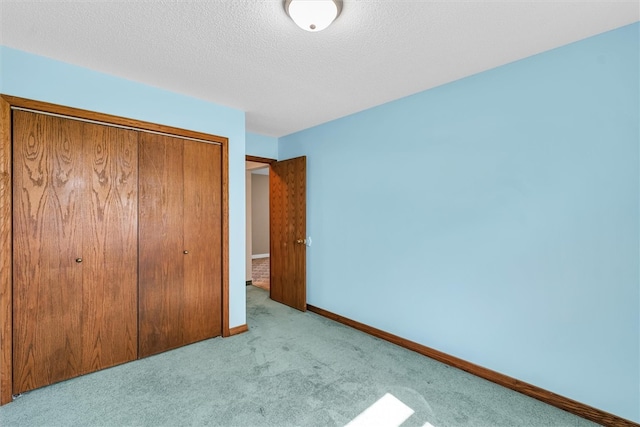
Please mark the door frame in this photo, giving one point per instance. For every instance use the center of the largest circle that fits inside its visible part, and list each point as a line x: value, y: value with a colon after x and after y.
x: 6, y: 233
x: 256, y: 159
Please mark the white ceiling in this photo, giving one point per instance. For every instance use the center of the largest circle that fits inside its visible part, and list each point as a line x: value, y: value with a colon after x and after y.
x: 248, y: 54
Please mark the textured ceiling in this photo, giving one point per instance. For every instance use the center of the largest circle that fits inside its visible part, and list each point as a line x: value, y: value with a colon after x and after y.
x: 249, y: 55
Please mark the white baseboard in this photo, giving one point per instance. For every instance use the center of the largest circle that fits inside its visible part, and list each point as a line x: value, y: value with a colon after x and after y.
x: 256, y: 256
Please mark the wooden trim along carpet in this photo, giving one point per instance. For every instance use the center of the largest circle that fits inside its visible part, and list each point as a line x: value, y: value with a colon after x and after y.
x: 569, y: 405
x: 238, y: 330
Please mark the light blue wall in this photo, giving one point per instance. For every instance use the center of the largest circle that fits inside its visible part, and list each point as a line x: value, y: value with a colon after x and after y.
x: 35, y: 77
x: 261, y: 146
x: 495, y: 218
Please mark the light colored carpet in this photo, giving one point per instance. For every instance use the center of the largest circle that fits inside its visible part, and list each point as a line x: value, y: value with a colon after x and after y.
x: 291, y: 368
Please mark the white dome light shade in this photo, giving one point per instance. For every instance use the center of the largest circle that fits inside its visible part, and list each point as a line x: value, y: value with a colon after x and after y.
x: 312, y: 15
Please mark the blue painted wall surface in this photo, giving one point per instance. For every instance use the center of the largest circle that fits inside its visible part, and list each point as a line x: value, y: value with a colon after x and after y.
x: 35, y: 77
x: 495, y: 218
x: 261, y: 146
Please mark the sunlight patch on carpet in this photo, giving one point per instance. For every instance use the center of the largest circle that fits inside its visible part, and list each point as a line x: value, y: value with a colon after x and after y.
x: 388, y: 411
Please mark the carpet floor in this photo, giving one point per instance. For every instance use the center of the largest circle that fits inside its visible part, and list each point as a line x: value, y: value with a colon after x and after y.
x: 290, y: 369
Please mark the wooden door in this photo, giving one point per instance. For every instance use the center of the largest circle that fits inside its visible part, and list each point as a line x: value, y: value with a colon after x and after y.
x: 180, y: 269
x: 110, y: 247
x: 202, y: 240
x: 47, y: 229
x: 74, y: 219
x: 161, y: 270
x: 287, y: 210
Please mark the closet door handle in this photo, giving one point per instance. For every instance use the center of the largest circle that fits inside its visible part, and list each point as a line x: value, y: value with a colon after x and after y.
x: 185, y: 252
x: 78, y: 260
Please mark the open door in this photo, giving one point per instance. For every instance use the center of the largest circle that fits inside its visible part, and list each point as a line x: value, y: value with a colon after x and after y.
x: 288, y: 229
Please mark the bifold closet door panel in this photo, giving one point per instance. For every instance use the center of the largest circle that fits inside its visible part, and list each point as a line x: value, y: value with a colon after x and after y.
x: 202, y: 237
x: 180, y: 267
x: 47, y: 229
x: 75, y: 248
x: 161, y: 245
x: 110, y: 252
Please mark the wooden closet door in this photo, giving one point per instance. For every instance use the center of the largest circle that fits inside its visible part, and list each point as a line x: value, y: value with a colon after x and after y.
x: 203, y: 240
x: 47, y: 228
x: 110, y: 247
x: 180, y: 243
x: 75, y: 248
x: 161, y: 245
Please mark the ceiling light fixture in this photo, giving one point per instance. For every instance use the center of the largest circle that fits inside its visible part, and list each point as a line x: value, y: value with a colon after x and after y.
x: 313, y: 15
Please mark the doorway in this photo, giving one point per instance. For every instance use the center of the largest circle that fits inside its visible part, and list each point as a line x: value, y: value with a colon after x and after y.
x: 286, y: 221
x: 257, y: 228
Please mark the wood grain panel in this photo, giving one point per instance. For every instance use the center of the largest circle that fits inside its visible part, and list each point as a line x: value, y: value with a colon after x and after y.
x: 569, y: 405
x: 257, y: 159
x: 108, y: 118
x: 110, y: 247
x: 203, y: 241
x: 161, y: 265
x: 47, y: 281
x: 277, y: 234
x: 225, y: 239
x: 287, y: 212
x: 6, y: 264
